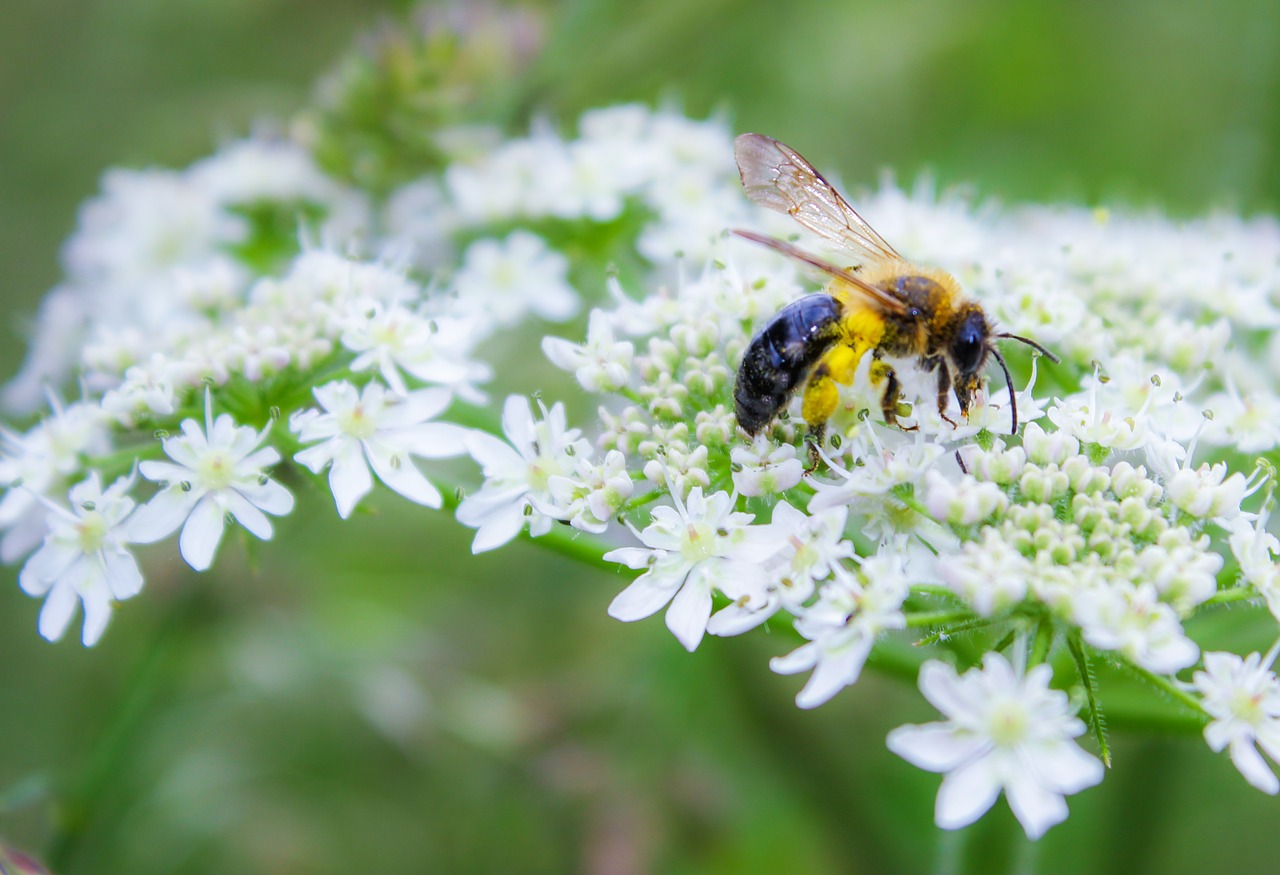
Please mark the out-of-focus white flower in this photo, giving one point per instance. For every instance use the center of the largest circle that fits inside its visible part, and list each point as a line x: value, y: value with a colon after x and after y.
x: 518, y: 472
x: 37, y: 464
x: 843, y: 626
x: 1242, y: 695
x: 372, y: 429
x: 698, y: 546
x: 504, y: 280
x: 145, y: 222
x: 215, y: 472
x: 85, y: 559
x: 1004, y: 731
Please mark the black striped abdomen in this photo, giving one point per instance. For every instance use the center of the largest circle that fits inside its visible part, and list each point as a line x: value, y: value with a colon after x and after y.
x: 780, y: 357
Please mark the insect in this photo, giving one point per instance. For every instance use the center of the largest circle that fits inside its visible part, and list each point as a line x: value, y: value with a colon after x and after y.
x: 884, y: 305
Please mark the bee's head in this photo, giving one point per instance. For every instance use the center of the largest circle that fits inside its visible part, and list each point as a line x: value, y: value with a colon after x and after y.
x: 968, y: 351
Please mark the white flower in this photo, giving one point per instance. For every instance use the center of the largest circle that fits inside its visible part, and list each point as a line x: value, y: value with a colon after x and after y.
x: 372, y: 428
x: 218, y: 471
x: 1256, y: 549
x: 765, y: 469
x: 1132, y: 620
x: 505, y: 279
x: 1003, y: 732
x: 517, y: 474
x: 990, y: 575
x: 698, y: 546
x: 595, y: 493
x: 84, y: 559
x: 842, y: 628
x: 962, y: 502
x: 37, y: 464
x: 882, y: 472
x: 1207, y: 492
x: 145, y: 222
x: 602, y: 364
x: 394, y: 339
x: 803, y: 550
x: 1081, y: 417
x: 1243, y: 698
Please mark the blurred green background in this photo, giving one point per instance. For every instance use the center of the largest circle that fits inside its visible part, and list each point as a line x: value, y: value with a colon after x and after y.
x: 374, y: 699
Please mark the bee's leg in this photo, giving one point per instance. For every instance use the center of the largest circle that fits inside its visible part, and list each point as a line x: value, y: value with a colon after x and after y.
x: 944, y: 391
x: 883, y: 372
x: 820, y: 400
x: 822, y: 395
x: 817, y: 433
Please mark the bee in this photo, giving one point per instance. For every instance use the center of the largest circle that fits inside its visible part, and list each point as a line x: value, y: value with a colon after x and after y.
x: 884, y: 305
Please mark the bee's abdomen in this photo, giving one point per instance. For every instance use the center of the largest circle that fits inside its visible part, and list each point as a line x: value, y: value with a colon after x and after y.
x: 780, y: 357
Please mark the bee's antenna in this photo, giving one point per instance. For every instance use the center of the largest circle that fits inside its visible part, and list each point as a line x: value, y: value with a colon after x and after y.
x: 1013, y: 396
x: 1031, y: 343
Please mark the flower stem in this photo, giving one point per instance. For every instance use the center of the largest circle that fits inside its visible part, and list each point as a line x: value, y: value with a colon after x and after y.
x: 80, y: 805
x: 1167, y: 686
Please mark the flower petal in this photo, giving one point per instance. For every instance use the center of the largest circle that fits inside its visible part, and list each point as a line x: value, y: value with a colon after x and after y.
x: 397, y: 471
x: 161, y: 516
x: 1036, y: 806
x: 966, y: 794
x: 647, y: 594
x: 498, y: 527
x: 935, y: 747
x: 246, y: 514
x: 56, y: 613
x: 201, y: 534
x: 122, y: 574
x: 97, y: 613
x: 690, y: 609
x: 349, y: 478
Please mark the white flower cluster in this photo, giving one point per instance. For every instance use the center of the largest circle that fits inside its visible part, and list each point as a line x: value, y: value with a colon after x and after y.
x: 198, y: 308
x: 1097, y: 524
x: 1096, y: 527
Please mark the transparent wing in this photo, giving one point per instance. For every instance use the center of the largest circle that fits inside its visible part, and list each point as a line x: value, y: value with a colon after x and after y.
x: 858, y: 288
x: 778, y: 177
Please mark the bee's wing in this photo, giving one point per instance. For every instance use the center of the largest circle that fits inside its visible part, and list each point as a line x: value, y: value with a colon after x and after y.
x: 778, y: 177
x: 859, y: 288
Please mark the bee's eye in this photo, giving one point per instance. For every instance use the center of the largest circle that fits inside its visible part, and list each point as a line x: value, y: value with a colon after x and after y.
x: 970, y: 346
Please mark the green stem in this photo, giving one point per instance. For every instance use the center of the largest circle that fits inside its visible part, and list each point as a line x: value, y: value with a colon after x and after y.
x: 1167, y: 686
x: 81, y: 804
x: 937, y: 618
x: 1043, y: 641
x: 1227, y: 596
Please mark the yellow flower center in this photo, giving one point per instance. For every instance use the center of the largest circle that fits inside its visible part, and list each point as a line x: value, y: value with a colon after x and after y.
x: 216, y: 470
x: 91, y: 531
